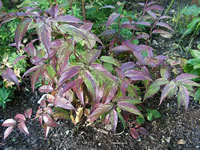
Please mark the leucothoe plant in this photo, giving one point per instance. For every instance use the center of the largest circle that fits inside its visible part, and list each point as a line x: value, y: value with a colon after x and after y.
x: 74, y: 77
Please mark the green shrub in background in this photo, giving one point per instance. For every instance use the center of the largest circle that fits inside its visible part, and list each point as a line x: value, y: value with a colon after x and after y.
x: 187, y: 21
x: 5, y: 95
x: 193, y: 66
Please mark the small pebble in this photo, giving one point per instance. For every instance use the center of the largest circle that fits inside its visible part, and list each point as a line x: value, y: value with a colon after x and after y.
x: 181, y: 142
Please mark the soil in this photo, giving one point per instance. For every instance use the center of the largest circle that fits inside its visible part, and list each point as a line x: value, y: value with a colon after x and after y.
x: 177, y: 129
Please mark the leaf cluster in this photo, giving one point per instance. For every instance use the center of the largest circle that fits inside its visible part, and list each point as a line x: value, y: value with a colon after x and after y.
x: 85, y: 77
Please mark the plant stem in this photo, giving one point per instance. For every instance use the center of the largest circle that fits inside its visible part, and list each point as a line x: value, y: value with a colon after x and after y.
x: 83, y: 10
x: 168, y: 8
x: 70, y: 3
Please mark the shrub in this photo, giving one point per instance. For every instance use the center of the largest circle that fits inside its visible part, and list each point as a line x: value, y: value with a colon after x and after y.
x: 85, y: 79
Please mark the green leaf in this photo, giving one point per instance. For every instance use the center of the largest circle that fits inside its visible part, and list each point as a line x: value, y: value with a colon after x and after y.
x: 196, y: 66
x: 153, y: 114
x: 155, y: 87
x: 61, y: 113
x: 151, y: 91
x: 140, y: 120
x: 195, y: 53
x: 198, y: 46
x: 150, y: 116
x: 110, y: 60
x: 51, y: 72
x: 156, y: 114
x: 108, y: 66
x: 197, y: 95
x: 121, y: 118
x: 136, y: 42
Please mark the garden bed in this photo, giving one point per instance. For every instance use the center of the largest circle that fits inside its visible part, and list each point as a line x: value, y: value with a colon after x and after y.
x: 177, y: 129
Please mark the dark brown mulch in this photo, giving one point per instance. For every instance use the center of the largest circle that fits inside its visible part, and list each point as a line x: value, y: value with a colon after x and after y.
x: 177, y: 129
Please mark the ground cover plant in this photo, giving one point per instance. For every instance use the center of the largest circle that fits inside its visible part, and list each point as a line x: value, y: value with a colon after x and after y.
x: 85, y: 79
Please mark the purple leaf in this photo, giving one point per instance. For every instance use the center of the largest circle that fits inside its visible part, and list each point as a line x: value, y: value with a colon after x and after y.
x: 108, y: 32
x: 128, y: 106
x: 28, y: 113
x: 69, y: 19
x: 108, y: 6
x: 22, y: 127
x: 121, y: 48
x: 143, y: 23
x: 111, y: 18
x: 46, y: 89
x: 139, y: 57
x: 1, y: 4
x: 114, y: 120
x: 63, y: 103
x: 45, y: 35
x: 134, y: 133
x: 87, y: 26
x: 163, y: 33
x: 154, y: 7
x: 120, y: 73
x: 190, y: 83
x: 124, y: 86
x: 130, y: 26
x: 79, y: 92
x: 8, y: 131
x: 37, y: 60
x: 167, y: 89
x: 111, y: 94
x: 142, y: 36
x: 31, y: 70
x: 137, y: 75
x: 6, y: 20
x: 165, y: 17
x: 9, y: 122
x: 151, y: 3
x: 102, y: 108
x: 30, y: 49
x: 186, y: 76
x: 130, y: 45
x: 54, y: 10
x: 9, y: 75
x: 99, y: 93
x: 141, y: 4
x: 152, y: 14
x: 143, y: 131
x: 162, y: 24
x: 49, y: 121
x: 34, y: 78
x: 67, y: 75
x: 100, y: 68
x: 20, y: 118
x: 68, y: 86
x: 183, y: 97
x: 21, y: 30
x: 127, y: 66
x: 18, y: 59
x: 95, y: 56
